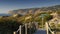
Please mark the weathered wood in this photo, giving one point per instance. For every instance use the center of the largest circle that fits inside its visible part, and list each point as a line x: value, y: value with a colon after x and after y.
x: 46, y: 27
x: 53, y: 32
x: 20, y: 29
x: 14, y: 32
x: 25, y: 28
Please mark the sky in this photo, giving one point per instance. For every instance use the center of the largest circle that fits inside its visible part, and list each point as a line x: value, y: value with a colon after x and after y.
x: 7, y: 5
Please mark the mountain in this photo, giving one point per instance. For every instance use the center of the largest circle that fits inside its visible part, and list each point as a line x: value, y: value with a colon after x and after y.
x: 34, y: 10
x: 5, y: 14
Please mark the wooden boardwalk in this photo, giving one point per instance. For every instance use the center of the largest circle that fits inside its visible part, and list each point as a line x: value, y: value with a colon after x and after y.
x: 40, y: 32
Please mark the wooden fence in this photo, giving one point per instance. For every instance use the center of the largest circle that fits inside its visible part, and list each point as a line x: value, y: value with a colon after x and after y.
x: 28, y: 28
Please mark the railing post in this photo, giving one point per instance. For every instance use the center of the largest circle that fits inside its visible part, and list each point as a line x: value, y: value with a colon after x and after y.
x: 46, y: 27
x: 25, y: 28
x: 20, y: 29
x: 53, y: 32
x: 30, y: 28
x: 14, y: 32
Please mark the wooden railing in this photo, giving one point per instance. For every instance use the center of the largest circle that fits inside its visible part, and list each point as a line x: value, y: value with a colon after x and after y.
x: 26, y: 28
x: 48, y: 29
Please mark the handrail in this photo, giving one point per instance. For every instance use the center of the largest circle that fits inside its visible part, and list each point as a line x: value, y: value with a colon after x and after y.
x: 48, y: 28
x: 18, y: 29
x: 51, y: 31
x: 26, y: 26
